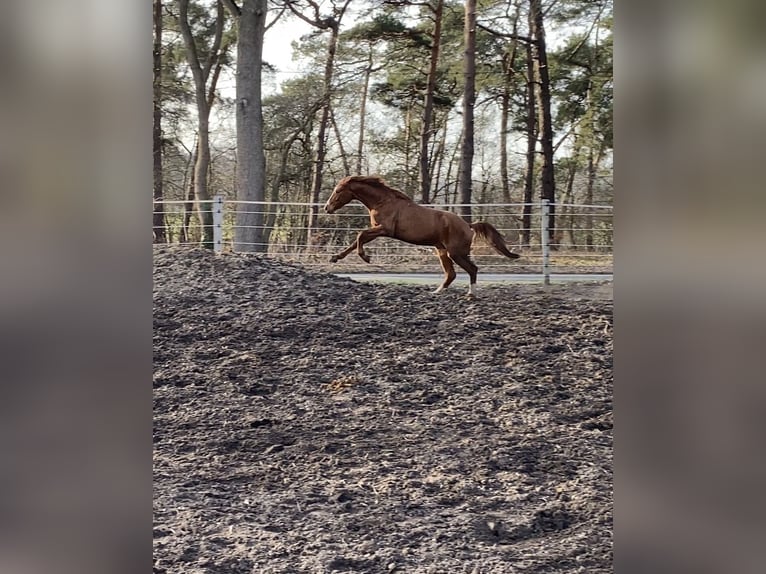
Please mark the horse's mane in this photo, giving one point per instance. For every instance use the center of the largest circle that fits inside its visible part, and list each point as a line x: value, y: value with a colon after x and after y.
x: 380, y: 183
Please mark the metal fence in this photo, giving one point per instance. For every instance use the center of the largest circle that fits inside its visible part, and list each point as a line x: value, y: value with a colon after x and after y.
x: 580, y: 241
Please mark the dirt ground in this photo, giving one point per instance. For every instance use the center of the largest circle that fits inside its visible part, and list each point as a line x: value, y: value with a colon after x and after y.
x: 305, y: 423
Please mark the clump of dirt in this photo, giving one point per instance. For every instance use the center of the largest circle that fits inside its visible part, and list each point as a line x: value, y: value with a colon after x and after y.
x: 306, y: 423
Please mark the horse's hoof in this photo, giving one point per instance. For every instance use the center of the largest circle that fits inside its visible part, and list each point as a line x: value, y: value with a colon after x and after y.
x: 365, y: 258
x: 334, y: 259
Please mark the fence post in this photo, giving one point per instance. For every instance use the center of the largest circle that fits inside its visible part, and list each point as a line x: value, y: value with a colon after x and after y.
x: 218, y: 223
x: 545, y: 216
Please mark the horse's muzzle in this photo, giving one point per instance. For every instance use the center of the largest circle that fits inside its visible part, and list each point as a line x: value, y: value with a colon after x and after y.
x: 327, y: 208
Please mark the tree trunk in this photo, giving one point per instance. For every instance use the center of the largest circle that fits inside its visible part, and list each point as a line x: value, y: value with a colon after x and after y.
x: 331, y: 23
x: 158, y: 216
x: 450, y: 165
x: 469, y: 98
x: 339, y: 139
x: 275, y: 184
x: 509, y: 59
x: 426, y: 129
x: 316, y: 183
x: 407, y: 157
x: 505, y: 110
x: 592, y: 163
x: 201, y: 194
x: 529, y: 172
x: 251, y: 159
x: 548, y: 189
x: 363, y: 114
x: 200, y: 76
x: 569, y: 198
x: 438, y: 163
x: 189, y: 204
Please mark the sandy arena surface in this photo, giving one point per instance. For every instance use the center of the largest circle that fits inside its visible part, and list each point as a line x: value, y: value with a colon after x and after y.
x: 305, y: 423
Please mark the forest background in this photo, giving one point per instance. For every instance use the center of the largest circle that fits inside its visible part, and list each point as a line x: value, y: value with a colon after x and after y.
x: 455, y: 103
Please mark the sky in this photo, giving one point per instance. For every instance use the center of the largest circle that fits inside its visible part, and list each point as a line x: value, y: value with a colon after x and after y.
x: 278, y: 52
x: 277, y: 49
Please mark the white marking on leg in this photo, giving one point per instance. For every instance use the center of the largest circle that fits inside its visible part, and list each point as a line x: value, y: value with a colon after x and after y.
x: 472, y: 289
x: 439, y: 289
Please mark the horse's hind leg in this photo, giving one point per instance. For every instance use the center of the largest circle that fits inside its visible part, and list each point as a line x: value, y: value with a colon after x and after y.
x: 447, y: 266
x: 470, y: 267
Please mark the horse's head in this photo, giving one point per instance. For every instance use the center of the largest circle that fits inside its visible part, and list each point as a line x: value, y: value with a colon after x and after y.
x: 341, y: 195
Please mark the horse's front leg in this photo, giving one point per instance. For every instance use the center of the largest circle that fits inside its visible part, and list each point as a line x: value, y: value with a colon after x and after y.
x: 366, y: 236
x: 343, y: 253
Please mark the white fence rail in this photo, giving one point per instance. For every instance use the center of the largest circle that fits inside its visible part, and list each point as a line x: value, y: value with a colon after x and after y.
x: 580, y: 240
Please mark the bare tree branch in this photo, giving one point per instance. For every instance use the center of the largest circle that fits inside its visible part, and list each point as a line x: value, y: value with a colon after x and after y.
x: 568, y: 133
x: 549, y: 8
x: 586, y: 37
x: 318, y: 21
x: 408, y: 3
x: 214, y: 84
x: 213, y: 56
x: 525, y: 39
x: 233, y: 8
x: 276, y: 18
x: 191, y: 47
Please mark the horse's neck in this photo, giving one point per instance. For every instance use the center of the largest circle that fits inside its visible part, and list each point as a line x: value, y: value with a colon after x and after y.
x: 370, y: 196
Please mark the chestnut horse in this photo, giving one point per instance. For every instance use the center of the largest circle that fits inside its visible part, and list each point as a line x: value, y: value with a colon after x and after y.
x: 394, y: 214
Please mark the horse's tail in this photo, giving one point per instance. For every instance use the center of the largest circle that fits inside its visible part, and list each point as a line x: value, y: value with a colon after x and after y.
x: 492, y: 236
